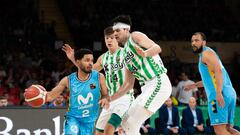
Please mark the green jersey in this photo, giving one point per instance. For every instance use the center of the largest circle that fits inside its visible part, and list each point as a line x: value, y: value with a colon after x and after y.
x: 113, y: 65
x: 143, y: 69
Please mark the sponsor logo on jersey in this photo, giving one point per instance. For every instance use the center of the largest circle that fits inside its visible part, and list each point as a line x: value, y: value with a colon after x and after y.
x: 129, y: 56
x: 85, y: 100
x: 92, y: 86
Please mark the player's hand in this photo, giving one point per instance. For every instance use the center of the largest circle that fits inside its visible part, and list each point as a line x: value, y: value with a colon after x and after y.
x: 200, y: 127
x: 104, y: 103
x: 147, y: 126
x: 220, y: 100
x: 189, y: 87
x: 140, y: 51
x: 145, y: 130
x: 69, y: 51
x: 174, y: 130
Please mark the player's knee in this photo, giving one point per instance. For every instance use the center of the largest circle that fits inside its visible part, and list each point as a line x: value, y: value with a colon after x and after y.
x: 115, y: 120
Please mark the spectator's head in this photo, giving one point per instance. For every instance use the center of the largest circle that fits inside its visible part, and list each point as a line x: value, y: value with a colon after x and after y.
x: 183, y: 76
x: 3, y: 101
x: 192, y: 103
x: 168, y: 102
x: 110, y: 39
x: 198, y: 41
x: 84, y: 59
x: 59, y: 100
x: 121, y: 26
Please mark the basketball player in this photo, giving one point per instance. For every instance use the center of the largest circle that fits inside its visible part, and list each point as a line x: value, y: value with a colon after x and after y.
x: 143, y: 63
x: 112, y: 63
x: 86, y: 87
x: 220, y: 92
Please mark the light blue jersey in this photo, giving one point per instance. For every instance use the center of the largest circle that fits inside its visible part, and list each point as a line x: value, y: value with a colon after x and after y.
x: 83, y: 105
x: 217, y: 114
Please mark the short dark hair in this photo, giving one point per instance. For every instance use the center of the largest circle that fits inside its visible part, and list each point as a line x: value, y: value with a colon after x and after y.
x: 79, y: 54
x: 3, y: 97
x: 202, y: 35
x: 123, y: 19
x: 108, y: 31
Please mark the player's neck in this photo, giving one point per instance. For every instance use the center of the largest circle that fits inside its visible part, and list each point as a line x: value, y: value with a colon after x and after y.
x: 82, y: 75
x: 112, y: 51
x: 126, y: 39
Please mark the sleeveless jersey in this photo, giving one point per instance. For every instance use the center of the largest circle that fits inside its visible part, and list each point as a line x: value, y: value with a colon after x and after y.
x: 113, y: 66
x: 84, y: 97
x: 209, y: 79
x: 144, y: 69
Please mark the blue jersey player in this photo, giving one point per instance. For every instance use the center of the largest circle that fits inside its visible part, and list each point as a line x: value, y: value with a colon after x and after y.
x: 87, y: 90
x: 220, y: 92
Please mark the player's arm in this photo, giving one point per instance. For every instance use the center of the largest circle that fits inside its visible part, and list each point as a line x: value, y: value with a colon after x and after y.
x: 210, y: 58
x: 193, y: 86
x: 127, y: 85
x: 69, y: 51
x: 104, y: 92
x: 104, y: 89
x: 143, y: 41
x: 98, y: 65
x: 57, y: 90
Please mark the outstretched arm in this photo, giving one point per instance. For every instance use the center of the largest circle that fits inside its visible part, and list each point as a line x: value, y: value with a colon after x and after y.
x: 193, y: 86
x: 127, y: 85
x: 69, y: 51
x: 143, y: 41
x: 57, y: 90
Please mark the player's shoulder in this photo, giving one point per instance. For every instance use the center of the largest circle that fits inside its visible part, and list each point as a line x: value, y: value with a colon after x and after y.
x: 95, y: 72
x: 137, y: 34
x: 208, y: 54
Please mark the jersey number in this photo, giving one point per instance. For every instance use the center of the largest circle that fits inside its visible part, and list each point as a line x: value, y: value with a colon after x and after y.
x: 114, y: 78
x: 85, y: 113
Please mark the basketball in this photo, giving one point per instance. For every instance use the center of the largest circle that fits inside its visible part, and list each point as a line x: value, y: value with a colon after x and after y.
x: 35, y: 95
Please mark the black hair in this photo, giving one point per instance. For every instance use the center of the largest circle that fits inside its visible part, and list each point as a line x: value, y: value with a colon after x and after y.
x: 108, y: 31
x: 123, y: 19
x: 2, y: 97
x: 202, y: 35
x: 79, y: 54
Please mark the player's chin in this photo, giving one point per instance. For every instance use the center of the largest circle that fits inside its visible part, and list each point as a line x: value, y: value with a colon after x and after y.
x: 88, y: 70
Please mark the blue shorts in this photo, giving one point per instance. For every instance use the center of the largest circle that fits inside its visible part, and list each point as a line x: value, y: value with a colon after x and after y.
x: 73, y: 126
x: 223, y: 115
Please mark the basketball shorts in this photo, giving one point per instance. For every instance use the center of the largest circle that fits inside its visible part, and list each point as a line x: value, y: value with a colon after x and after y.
x: 154, y: 93
x: 72, y: 126
x: 119, y: 107
x: 222, y: 115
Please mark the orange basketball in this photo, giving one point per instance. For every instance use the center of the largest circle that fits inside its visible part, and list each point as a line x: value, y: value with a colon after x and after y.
x: 35, y: 95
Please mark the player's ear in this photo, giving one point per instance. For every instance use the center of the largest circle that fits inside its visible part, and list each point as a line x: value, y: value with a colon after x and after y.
x: 78, y: 61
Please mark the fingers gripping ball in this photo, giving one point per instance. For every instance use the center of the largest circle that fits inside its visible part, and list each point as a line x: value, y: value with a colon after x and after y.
x: 35, y: 95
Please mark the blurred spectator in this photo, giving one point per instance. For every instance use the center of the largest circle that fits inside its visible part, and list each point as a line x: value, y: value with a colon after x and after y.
x: 58, y: 102
x: 174, y: 100
x: 3, y: 101
x: 202, y: 97
x: 147, y: 129
x: 168, y: 121
x: 182, y: 95
x: 174, y: 87
x: 192, y: 119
